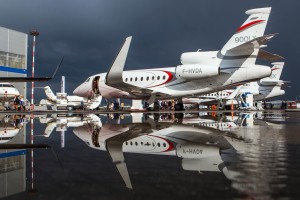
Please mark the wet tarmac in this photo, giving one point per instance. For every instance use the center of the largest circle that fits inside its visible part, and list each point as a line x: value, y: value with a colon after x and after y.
x: 189, y: 155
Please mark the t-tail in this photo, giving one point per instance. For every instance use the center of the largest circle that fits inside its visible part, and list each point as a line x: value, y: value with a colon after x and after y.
x: 274, y: 78
x: 50, y: 95
x: 252, y: 28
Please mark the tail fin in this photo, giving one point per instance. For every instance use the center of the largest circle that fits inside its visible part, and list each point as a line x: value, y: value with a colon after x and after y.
x: 274, y: 78
x: 276, y: 70
x: 252, y: 28
x: 50, y: 95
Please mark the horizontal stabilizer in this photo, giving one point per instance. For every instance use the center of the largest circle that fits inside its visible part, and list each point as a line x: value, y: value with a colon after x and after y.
x: 264, y: 55
x: 246, y: 49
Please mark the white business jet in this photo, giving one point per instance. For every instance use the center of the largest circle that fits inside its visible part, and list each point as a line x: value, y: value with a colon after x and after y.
x: 73, y: 102
x: 263, y: 89
x: 201, y: 72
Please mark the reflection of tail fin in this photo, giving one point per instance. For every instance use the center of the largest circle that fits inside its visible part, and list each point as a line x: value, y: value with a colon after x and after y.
x: 49, y: 128
x: 50, y: 95
x: 252, y: 28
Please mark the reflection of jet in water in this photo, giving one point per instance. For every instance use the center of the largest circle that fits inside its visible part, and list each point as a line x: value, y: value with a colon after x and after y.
x: 61, y: 122
x: 10, y: 127
x: 201, y: 148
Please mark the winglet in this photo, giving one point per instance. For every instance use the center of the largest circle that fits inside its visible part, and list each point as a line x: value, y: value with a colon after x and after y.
x: 58, y: 66
x: 116, y: 70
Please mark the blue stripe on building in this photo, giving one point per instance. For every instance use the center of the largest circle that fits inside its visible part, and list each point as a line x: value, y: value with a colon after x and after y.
x: 12, y: 153
x: 14, y: 70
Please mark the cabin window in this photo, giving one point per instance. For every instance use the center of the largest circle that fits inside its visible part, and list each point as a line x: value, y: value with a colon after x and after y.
x: 164, y: 145
x: 126, y: 79
x: 130, y: 79
x: 164, y: 77
x: 152, y: 78
x: 135, y: 78
x: 158, y: 77
x: 142, y: 78
x: 147, y: 78
x: 158, y: 144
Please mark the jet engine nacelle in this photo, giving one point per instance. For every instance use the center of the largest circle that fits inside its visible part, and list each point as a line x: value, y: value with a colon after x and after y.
x: 196, y: 151
x: 195, y: 71
x: 199, y: 57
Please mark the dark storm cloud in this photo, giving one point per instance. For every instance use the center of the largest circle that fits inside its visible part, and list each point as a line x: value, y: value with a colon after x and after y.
x: 90, y: 33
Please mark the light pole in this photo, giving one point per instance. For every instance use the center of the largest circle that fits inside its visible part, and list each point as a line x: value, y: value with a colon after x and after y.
x: 34, y: 33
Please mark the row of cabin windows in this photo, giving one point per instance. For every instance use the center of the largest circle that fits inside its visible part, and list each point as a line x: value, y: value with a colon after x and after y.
x: 207, y: 124
x: 215, y: 94
x: 136, y: 144
x: 147, y: 78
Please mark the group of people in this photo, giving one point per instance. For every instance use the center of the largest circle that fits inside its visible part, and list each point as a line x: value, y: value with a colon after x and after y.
x: 19, y: 103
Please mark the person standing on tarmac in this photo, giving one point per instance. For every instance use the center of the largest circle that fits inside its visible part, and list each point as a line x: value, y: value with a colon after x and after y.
x: 16, y: 102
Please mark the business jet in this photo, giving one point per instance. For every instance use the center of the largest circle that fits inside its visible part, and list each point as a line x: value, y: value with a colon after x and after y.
x: 262, y: 89
x: 200, y: 72
x: 201, y: 147
x: 72, y: 102
x: 8, y: 91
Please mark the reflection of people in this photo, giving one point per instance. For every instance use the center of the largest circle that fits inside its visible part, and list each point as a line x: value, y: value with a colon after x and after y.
x: 16, y: 121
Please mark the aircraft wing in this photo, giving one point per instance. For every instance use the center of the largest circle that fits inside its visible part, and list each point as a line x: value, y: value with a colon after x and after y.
x: 114, y: 76
x: 246, y: 49
x: 31, y: 79
x: 114, y: 147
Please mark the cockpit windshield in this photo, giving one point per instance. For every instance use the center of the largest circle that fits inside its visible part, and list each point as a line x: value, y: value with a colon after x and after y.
x: 87, y: 80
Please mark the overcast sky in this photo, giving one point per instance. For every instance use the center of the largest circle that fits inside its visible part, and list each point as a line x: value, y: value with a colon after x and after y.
x: 89, y: 33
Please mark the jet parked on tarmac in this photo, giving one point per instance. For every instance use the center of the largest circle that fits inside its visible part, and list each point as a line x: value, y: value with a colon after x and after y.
x: 200, y: 72
x: 263, y: 89
x: 72, y: 101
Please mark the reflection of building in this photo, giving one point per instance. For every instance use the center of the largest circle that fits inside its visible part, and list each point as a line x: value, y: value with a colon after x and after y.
x: 12, y: 162
x: 13, y: 56
x: 13, y: 63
